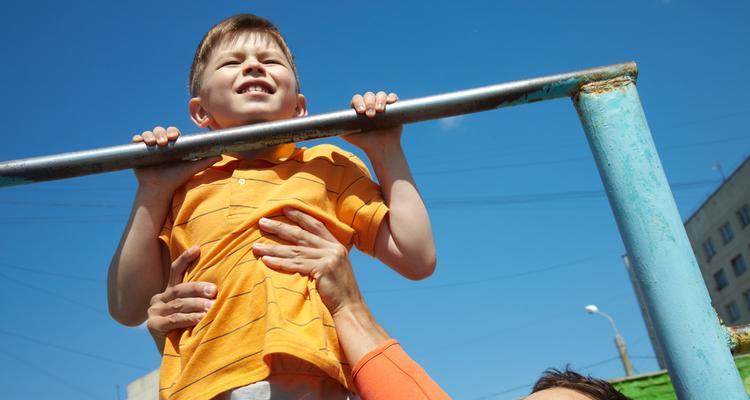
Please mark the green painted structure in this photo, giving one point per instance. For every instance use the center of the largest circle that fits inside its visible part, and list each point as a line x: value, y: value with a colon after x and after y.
x: 658, y: 386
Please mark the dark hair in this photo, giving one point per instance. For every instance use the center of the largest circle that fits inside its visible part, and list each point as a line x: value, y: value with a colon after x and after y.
x: 228, y: 29
x: 597, y: 389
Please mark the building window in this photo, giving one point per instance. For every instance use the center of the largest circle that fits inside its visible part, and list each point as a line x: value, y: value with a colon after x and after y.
x: 744, y: 215
x: 726, y: 233
x: 746, y: 297
x: 738, y: 265
x: 709, y: 249
x: 721, y: 279
x: 733, y: 312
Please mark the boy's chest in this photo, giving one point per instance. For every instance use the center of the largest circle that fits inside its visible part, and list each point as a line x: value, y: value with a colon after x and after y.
x: 255, y: 193
x: 224, y: 204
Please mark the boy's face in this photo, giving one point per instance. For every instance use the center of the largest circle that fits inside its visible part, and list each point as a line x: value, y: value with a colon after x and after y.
x: 247, y: 79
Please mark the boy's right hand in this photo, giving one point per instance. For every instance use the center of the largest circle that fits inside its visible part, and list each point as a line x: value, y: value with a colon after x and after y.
x: 167, y: 177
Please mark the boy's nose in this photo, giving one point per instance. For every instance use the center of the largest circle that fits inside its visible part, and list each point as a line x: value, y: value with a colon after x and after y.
x: 253, y: 66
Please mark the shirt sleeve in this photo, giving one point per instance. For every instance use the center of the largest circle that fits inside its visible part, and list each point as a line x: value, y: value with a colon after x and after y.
x: 388, y: 373
x: 360, y: 205
x: 165, y: 235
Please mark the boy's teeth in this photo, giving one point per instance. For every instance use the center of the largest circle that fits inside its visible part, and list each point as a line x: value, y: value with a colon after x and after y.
x: 255, y: 89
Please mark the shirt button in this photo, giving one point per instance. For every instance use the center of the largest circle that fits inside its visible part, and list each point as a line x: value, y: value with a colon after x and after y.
x: 241, y: 181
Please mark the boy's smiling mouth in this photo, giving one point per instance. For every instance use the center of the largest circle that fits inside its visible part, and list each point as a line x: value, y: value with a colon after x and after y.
x: 255, y: 87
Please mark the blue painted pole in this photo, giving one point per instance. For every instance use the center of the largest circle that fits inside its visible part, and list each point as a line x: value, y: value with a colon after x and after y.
x: 698, y: 360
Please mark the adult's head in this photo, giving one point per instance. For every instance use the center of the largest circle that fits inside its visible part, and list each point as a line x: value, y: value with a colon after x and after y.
x: 569, y: 385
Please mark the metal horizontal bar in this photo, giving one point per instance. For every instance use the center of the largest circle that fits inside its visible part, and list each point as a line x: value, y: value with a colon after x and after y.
x: 188, y: 147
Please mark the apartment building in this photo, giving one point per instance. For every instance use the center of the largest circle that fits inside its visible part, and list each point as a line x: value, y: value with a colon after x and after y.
x: 719, y: 233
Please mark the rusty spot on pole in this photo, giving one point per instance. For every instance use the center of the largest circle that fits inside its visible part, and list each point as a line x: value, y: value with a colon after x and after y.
x: 600, y: 87
x: 738, y: 339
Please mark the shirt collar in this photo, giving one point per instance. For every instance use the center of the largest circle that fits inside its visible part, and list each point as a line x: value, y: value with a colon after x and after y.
x: 278, y: 155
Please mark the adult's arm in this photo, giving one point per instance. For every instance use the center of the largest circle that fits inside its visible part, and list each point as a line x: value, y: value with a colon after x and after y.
x: 382, y: 370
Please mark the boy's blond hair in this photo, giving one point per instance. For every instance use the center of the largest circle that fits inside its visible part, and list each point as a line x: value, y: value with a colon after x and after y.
x: 229, y: 29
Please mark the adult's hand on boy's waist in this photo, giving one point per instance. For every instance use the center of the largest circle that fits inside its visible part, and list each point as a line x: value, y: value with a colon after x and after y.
x: 180, y: 305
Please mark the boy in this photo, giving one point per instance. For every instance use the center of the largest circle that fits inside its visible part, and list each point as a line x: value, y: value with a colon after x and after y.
x: 264, y: 325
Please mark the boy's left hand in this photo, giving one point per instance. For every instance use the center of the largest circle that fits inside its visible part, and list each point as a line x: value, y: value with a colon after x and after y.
x: 370, y: 104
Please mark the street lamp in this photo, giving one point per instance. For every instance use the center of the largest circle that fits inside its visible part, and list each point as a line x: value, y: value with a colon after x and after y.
x: 592, y: 309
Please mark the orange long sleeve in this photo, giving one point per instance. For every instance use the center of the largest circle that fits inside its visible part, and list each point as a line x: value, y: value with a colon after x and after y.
x: 388, y: 373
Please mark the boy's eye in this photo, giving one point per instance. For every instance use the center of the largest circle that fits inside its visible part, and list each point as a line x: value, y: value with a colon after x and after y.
x: 229, y: 62
x: 271, y: 61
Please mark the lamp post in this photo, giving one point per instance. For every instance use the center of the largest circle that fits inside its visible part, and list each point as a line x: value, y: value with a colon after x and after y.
x: 592, y: 309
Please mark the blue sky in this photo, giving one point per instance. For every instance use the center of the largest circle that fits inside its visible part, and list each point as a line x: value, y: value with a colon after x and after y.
x: 518, y: 258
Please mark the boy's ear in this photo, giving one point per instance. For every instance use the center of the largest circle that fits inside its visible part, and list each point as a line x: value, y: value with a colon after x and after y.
x: 301, y: 110
x: 198, y: 114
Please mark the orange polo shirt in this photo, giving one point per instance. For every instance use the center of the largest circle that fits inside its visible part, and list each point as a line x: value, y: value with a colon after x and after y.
x: 258, y: 311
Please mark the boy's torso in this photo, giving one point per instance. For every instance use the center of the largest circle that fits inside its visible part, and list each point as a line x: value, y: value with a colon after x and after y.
x: 258, y: 311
